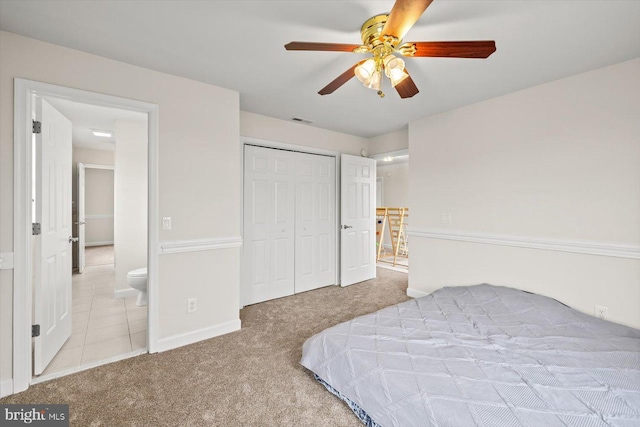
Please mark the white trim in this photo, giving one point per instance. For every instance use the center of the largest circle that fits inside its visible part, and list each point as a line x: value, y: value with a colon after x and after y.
x: 96, y: 166
x: 386, y: 266
x: 54, y: 375
x: 24, y: 91
x: 6, y: 387
x: 181, y: 246
x: 379, y: 156
x: 611, y: 249
x: 6, y: 260
x: 125, y: 293
x: 103, y: 243
x: 187, y: 338
x: 414, y: 293
x: 285, y: 146
x: 380, y: 181
x: 99, y: 216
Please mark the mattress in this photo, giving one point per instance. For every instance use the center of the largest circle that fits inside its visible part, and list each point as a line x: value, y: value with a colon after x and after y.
x: 481, y: 356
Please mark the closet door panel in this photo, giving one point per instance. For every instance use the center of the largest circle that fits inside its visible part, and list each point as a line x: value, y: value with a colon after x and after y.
x: 315, y: 222
x: 269, y: 225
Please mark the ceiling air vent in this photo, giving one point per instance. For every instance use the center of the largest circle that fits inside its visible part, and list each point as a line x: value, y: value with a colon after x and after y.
x: 299, y: 120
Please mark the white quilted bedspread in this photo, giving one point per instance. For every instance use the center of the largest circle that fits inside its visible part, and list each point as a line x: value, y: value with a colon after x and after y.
x: 483, y: 356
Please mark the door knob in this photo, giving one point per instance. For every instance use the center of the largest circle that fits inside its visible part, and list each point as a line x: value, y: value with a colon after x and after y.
x: 73, y: 239
x: 346, y: 226
x: 80, y: 223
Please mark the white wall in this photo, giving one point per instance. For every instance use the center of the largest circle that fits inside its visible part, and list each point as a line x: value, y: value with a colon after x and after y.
x: 99, y: 202
x: 393, y: 141
x: 557, y: 161
x: 199, y: 171
x: 396, y: 184
x: 270, y: 129
x: 130, y: 226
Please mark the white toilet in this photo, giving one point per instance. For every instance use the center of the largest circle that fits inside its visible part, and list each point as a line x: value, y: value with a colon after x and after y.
x: 137, y: 279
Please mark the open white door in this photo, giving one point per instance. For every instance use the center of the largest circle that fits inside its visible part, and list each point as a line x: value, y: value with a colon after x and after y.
x: 357, y: 214
x: 52, y: 285
x: 81, y: 216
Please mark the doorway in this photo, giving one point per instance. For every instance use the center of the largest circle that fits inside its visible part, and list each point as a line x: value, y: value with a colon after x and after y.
x: 392, y: 185
x: 27, y: 94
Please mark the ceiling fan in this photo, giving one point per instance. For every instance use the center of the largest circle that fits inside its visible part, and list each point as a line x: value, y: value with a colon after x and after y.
x: 382, y: 37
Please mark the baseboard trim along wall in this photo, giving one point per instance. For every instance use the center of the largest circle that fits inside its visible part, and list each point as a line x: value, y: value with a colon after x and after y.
x: 105, y: 243
x: 187, y: 338
x: 414, y: 293
x: 196, y: 245
x: 6, y: 387
x: 618, y: 250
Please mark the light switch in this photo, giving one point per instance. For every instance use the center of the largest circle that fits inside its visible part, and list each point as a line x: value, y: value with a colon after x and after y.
x: 166, y: 223
x: 446, y: 218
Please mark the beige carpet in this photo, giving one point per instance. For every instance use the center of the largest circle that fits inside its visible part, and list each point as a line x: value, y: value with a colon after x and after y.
x: 247, y: 378
x: 98, y: 255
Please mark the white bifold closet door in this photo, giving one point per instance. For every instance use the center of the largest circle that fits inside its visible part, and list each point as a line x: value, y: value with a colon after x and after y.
x: 315, y: 222
x: 289, y: 223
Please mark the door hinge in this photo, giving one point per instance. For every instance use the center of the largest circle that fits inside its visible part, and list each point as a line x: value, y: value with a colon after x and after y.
x: 35, y: 331
x: 35, y: 228
x: 37, y: 126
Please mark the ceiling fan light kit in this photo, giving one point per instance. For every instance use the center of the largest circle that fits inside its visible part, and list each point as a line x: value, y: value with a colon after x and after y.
x: 382, y: 37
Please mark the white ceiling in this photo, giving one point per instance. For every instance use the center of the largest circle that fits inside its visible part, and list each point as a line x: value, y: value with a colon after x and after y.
x: 239, y: 45
x: 86, y: 118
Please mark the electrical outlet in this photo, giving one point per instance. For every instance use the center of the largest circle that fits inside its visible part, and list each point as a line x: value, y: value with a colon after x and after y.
x: 192, y: 305
x: 601, y: 312
x: 446, y: 218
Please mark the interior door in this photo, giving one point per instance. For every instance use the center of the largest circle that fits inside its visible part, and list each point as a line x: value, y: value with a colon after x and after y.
x: 315, y: 222
x: 357, y: 214
x: 52, y: 285
x: 81, y: 216
x: 269, y: 224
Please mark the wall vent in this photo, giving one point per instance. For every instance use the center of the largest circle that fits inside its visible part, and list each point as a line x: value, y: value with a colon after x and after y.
x: 299, y: 120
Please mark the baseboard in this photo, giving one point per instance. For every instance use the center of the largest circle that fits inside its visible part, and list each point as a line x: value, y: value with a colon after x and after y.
x: 414, y: 293
x: 181, y: 340
x: 105, y: 243
x: 125, y: 293
x: 6, y: 387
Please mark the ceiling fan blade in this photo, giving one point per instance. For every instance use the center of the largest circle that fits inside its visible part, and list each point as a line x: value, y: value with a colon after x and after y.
x: 403, y: 15
x: 327, y: 47
x: 406, y: 88
x: 340, y: 80
x: 468, y: 49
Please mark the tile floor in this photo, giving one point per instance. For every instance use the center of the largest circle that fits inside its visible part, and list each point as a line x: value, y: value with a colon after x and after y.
x: 102, y: 326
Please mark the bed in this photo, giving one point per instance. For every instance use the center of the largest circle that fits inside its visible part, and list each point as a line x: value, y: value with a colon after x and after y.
x: 481, y: 356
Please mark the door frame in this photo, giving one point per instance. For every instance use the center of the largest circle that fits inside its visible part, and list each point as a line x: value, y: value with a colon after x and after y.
x: 88, y: 166
x: 24, y: 97
x: 245, y: 140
